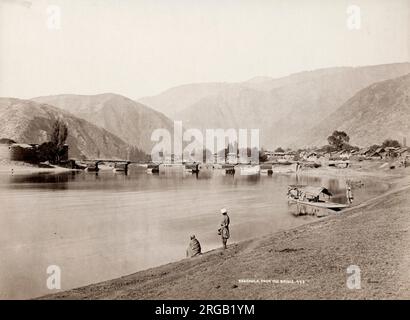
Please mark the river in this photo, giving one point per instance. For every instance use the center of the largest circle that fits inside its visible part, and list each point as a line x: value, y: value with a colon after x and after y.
x: 96, y: 227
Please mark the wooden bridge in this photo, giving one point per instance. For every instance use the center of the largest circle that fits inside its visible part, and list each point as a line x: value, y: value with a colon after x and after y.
x: 119, y: 165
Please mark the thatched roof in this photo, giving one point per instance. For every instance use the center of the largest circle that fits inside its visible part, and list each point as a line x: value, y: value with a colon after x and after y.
x: 315, y: 191
x: 311, y: 191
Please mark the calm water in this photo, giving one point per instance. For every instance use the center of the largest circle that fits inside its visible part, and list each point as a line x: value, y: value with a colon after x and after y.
x: 99, y: 227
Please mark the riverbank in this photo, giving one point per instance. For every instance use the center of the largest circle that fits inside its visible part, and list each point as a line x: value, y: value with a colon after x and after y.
x: 308, y: 262
x: 361, y: 169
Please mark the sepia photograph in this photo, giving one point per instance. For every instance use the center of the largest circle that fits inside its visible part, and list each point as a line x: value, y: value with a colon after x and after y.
x: 175, y: 150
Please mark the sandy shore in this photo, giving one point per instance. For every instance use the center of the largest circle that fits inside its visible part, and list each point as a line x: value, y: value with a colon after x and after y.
x: 18, y: 167
x: 308, y: 262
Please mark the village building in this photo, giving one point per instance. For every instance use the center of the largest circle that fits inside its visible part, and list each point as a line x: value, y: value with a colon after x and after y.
x: 24, y: 152
x: 345, y: 155
x: 312, y: 156
x: 364, y: 152
x: 396, y: 152
x: 18, y: 152
x: 380, y: 153
x: 280, y: 156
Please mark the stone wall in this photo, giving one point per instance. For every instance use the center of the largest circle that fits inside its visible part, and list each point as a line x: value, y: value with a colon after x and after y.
x: 23, y: 152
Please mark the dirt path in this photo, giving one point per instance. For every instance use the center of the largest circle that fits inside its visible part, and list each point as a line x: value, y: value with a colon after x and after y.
x: 374, y: 236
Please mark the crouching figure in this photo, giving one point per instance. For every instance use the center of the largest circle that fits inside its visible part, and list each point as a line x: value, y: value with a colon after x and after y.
x: 194, y: 248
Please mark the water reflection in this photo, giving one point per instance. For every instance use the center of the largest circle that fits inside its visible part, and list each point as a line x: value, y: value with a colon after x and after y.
x: 302, y: 210
x: 41, y: 180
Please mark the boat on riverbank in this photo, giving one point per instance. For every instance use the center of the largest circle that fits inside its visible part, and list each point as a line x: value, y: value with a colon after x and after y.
x: 313, y: 196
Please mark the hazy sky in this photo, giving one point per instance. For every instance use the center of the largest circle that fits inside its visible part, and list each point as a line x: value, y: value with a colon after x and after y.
x: 139, y: 48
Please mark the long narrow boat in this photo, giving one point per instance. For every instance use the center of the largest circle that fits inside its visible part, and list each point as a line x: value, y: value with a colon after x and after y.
x: 325, y: 204
x: 313, y: 196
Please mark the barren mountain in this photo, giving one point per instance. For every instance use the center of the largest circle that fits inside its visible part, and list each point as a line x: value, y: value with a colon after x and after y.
x: 283, y: 109
x: 127, y: 119
x: 176, y: 99
x: 374, y: 114
x: 26, y: 121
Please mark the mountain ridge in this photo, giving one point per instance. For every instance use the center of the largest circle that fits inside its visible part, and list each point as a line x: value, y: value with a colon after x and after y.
x: 132, y: 121
x: 27, y: 121
x: 287, y: 107
x: 383, y: 106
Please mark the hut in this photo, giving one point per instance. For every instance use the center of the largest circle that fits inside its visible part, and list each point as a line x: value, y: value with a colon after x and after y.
x: 402, y: 152
x: 363, y: 153
x: 379, y: 153
x: 312, y: 156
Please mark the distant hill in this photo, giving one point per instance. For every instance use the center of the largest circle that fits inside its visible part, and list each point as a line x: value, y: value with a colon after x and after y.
x: 374, y: 114
x: 131, y: 121
x: 284, y: 109
x: 179, y: 98
x: 176, y: 99
x: 26, y: 121
x: 172, y: 101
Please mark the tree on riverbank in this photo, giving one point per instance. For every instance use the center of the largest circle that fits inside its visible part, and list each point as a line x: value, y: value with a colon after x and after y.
x: 338, y: 140
x: 390, y: 143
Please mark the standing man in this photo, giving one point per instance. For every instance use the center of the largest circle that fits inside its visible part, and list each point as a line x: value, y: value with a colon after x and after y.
x: 349, y: 195
x: 224, y: 229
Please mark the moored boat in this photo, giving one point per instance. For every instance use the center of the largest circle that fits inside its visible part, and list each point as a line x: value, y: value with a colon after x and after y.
x: 313, y: 196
